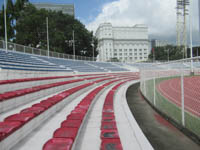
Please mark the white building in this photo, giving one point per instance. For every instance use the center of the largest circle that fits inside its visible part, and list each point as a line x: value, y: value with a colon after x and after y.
x: 65, y: 8
x: 158, y: 43
x: 127, y: 44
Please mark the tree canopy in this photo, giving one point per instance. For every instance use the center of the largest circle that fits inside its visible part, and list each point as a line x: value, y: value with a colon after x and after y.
x: 162, y: 53
x: 27, y: 26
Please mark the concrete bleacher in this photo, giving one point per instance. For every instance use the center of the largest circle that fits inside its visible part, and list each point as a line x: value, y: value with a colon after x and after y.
x: 50, y: 106
x: 29, y: 62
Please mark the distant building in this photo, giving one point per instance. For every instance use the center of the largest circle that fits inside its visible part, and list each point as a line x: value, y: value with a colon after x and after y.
x: 158, y: 43
x: 127, y: 44
x: 65, y: 8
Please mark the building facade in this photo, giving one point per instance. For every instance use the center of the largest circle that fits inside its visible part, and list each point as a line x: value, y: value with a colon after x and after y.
x: 65, y: 8
x: 158, y: 43
x: 127, y: 44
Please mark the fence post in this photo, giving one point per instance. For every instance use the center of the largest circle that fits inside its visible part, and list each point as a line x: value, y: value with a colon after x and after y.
x: 154, y: 89
x: 145, y: 84
x: 15, y: 47
x: 182, y: 98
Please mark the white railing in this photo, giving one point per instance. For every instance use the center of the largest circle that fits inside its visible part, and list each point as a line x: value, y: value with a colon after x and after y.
x: 32, y: 50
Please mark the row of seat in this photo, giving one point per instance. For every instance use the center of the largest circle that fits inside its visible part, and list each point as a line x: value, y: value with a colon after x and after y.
x: 13, y: 60
x: 110, y: 139
x: 65, y: 136
x: 10, y: 100
x: 16, y: 84
x: 15, y: 127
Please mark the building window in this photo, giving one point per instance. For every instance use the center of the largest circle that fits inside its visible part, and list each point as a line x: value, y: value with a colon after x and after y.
x: 120, y: 50
x: 135, y: 58
x: 120, y: 54
x: 115, y: 54
x: 130, y: 50
x: 125, y: 54
x: 135, y: 50
x: 130, y: 54
x: 140, y: 57
x: 115, y: 50
x: 135, y: 54
x: 140, y: 53
x: 140, y: 49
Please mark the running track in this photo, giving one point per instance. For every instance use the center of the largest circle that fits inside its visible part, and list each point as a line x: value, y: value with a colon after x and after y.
x: 171, y: 89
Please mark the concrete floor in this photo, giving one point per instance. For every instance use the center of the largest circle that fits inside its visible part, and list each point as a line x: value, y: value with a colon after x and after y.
x: 161, y: 134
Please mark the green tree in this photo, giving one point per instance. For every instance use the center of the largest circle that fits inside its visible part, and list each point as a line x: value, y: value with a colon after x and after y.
x: 161, y: 53
x: 19, y: 6
x: 9, y: 21
x: 31, y: 30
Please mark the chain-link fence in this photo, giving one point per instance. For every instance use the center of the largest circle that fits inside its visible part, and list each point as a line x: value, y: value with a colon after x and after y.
x: 173, y: 88
x: 31, y: 50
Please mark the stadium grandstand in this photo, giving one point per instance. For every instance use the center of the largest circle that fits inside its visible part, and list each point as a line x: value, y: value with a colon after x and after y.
x: 53, y: 103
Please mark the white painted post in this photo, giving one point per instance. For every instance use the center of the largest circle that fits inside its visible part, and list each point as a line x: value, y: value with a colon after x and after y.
x: 182, y: 98
x: 191, y: 49
x: 145, y: 84
x: 5, y: 23
x: 47, y: 35
x: 73, y: 45
x: 154, y: 89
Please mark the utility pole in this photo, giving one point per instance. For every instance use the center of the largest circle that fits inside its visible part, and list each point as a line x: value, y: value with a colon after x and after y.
x: 47, y: 35
x: 5, y: 23
x: 73, y: 44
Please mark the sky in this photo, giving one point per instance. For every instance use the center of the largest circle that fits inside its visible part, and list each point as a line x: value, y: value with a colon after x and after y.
x: 158, y: 15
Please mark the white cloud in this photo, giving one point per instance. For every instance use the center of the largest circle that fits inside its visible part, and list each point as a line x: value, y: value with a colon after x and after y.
x: 158, y: 15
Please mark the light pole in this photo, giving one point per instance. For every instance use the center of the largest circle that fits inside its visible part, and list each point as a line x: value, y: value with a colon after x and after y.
x: 191, y: 50
x: 5, y: 23
x: 168, y: 54
x: 47, y: 36
x: 93, y: 49
x: 73, y: 44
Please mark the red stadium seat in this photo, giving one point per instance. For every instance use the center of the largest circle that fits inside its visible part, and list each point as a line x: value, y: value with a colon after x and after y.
x: 34, y: 110
x: 109, y: 134
x: 44, y: 105
x: 111, y: 144
x: 79, y: 110
x: 108, y: 114
x: 71, y: 123
x: 23, y: 118
x: 64, y: 132
x: 108, y: 108
x: 76, y: 116
x: 6, y: 128
x: 108, y: 125
x: 108, y: 119
x: 9, y: 95
x: 1, y: 97
x: 58, y: 144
